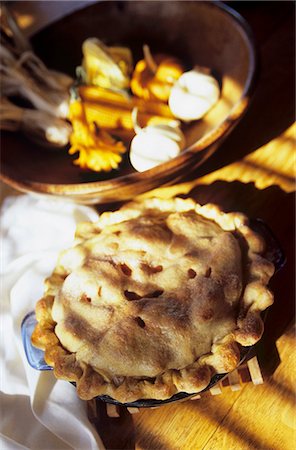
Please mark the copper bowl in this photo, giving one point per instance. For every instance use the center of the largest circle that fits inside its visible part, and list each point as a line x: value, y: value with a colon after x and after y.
x: 203, y: 33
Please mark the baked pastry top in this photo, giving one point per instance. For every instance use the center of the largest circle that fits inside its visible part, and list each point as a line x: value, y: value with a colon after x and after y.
x: 154, y: 299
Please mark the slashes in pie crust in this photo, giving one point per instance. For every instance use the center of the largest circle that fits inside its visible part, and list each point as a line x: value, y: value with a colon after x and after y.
x: 154, y: 299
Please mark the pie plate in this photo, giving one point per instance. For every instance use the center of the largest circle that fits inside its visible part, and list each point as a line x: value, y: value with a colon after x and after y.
x: 35, y: 357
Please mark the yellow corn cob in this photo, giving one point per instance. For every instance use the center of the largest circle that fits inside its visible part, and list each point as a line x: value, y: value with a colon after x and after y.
x: 99, y: 95
x: 117, y: 118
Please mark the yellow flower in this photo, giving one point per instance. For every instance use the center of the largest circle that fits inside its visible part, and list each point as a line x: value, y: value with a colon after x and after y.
x: 98, y: 150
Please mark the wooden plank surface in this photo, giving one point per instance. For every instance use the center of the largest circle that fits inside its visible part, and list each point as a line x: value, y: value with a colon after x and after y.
x: 254, y: 172
x: 255, y: 417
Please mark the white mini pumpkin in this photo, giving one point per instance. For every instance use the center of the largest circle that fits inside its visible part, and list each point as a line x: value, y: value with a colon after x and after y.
x: 194, y: 94
x: 155, y: 144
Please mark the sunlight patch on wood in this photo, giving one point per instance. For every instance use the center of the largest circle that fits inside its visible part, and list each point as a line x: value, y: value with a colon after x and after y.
x: 272, y: 164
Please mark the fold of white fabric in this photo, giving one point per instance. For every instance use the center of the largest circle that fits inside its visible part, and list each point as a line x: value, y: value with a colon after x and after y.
x: 37, y: 410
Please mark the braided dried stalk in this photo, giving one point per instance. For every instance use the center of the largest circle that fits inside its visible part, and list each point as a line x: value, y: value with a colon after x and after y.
x: 40, y: 126
x: 16, y: 80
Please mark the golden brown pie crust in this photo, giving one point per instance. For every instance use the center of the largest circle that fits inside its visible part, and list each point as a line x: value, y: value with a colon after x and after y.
x: 154, y: 299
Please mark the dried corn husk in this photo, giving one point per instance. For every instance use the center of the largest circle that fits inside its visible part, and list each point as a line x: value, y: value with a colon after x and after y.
x: 11, y: 35
x: 18, y: 80
x: 108, y: 67
x: 52, y: 79
x: 39, y: 126
x: 13, y: 39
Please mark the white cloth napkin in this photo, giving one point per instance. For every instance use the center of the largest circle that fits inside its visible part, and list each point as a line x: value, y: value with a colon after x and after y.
x: 37, y: 411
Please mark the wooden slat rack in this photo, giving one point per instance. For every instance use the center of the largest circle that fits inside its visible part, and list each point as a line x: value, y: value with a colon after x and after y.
x: 248, y: 372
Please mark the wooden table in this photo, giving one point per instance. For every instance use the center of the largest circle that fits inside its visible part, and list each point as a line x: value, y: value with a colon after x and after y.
x: 254, y: 172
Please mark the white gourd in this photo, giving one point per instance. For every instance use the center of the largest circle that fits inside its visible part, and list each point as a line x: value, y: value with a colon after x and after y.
x: 155, y: 144
x: 193, y: 95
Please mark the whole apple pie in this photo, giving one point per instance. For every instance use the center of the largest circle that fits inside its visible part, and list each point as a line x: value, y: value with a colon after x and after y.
x: 154, y: 299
